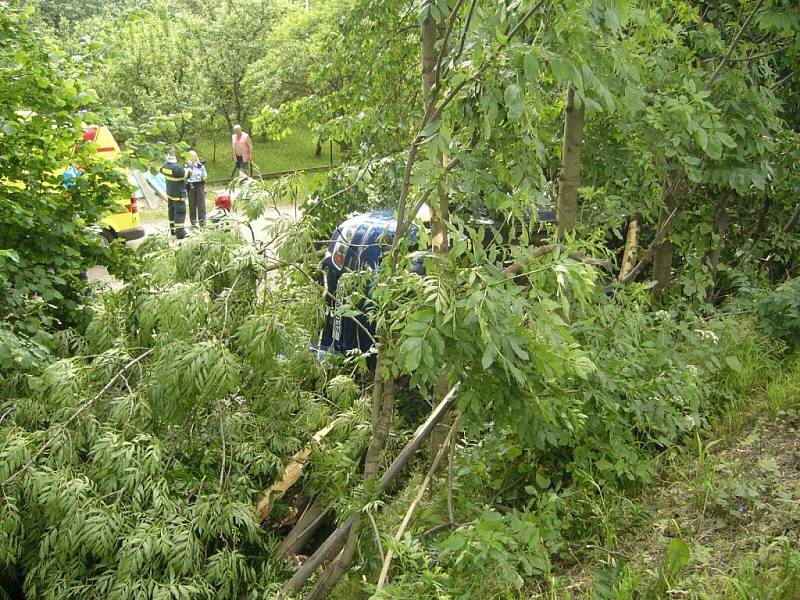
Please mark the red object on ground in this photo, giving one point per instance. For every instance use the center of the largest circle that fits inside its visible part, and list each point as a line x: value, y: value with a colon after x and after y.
x: 223, y: 201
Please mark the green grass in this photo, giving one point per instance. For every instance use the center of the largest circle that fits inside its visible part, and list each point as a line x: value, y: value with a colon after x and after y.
x: 731, y: 497
x: 293, y: 152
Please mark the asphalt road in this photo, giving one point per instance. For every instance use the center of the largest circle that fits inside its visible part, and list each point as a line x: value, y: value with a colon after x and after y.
x: 100, y: 273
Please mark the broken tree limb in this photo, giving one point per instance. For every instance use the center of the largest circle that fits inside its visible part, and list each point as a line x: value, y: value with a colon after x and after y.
x: 657, y: 241
x: 516, y: 267
x: 305, y: 527
x: 631, y: 247
x: 412, y: 507
x: 338, y: 537
x: 291, y: 473
x: 382, y: 415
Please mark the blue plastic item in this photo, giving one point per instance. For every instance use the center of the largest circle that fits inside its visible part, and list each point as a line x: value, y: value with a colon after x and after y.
x: 157, y: 183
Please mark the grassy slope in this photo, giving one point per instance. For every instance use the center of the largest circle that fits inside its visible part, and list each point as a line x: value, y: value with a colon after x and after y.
x: 293, y: 152
x: 733, y: 498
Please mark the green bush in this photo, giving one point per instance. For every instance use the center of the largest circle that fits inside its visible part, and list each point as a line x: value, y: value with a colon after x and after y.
x: 779, y: 312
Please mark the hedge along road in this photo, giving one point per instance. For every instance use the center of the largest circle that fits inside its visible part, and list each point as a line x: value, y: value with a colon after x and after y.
x: 161, y: 226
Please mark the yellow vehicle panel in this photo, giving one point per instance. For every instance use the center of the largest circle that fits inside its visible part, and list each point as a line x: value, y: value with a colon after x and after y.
x: 125, y: 222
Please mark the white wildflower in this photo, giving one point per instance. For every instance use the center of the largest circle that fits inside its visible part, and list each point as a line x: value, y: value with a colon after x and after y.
x: 707, y: 335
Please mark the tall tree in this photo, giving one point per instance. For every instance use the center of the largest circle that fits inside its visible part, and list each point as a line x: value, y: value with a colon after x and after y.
x: 570, y: 176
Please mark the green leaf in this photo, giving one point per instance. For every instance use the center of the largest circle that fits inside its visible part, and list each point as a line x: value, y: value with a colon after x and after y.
x: 734, y: 364
x: 726, y: 139
x: 488, y: 356
x: 531, y: 69
x: 604, y: 465
x: 564, y: 70
x: 453, y: 543
x: 702, y: 138
x: 676, y: 558
x: 515, y: 102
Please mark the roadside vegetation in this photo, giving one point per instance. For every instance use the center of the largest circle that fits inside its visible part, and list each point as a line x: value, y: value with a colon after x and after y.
x: 606, y: 407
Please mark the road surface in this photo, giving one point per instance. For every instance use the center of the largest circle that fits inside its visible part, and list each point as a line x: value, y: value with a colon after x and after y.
x: 100, y: 273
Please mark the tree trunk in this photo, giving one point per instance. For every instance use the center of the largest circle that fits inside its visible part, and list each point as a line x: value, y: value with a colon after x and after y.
x: 721, y: 221
x: 305, y: 527
x: 440, y: 211
x: 631, y: 247
x: 662, y: 255
x: 383, y: 395
x: 428, y: 37
x: 570, y: 177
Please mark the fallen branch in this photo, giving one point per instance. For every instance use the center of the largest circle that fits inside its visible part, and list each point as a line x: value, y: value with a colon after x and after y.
x: 516, y: 267
x: 83, y: 408
x: 338, y: 537
x: 308, y: 523
x: 412, y: 507
x: 657, y: 241
x: 291, y: 474
x: 631, y: 247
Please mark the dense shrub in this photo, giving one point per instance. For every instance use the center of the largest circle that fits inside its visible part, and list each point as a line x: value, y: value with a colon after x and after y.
x: 779, y: 311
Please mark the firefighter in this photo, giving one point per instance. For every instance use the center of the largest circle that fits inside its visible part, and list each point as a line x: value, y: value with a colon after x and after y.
x: 176, y: 177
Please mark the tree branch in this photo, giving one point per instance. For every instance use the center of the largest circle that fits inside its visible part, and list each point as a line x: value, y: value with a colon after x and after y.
x: 464, y: 31
x: 657, y: 240
x: 732, y: 47
x: 412, y: 507
x: 789, y: 227
x: 337, y: 537
x: 83, y: 408
x: 445, y: 42
x: 779, y: 83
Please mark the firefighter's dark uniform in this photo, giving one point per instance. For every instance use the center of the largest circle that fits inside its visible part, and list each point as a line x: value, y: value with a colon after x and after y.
x: 176, y: 177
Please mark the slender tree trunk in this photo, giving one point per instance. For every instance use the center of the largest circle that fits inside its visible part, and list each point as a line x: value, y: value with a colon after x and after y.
x: 758, y: 230
x: 428, y: 37
x: 383, y: 395
x: 662, y: 254
x: 721, y: 221
x: 440, y: 211
x: 570, y: 177
x: 789, y: 227
x: 631, y: 247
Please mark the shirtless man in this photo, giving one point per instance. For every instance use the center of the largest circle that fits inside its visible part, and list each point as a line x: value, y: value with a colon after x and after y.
x: 241, y: 150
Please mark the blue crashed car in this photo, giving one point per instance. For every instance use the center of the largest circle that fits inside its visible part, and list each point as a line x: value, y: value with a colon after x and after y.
x: 359, y: 244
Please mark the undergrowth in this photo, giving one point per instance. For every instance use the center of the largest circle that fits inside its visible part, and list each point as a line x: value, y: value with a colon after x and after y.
x: 528, y: 517
x: 131, y: 464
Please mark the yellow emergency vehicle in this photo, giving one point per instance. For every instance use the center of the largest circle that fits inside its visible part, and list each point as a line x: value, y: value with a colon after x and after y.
x: 124, y: 223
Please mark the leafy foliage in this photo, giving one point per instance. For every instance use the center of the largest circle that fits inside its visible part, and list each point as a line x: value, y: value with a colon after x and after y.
x: 47, y: 229
x: 131, y: 471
